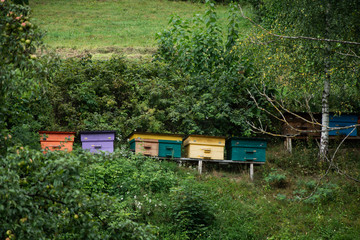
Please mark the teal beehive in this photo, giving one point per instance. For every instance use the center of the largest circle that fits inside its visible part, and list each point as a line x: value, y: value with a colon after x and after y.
x: 246, y: 149
x: 170, y: 148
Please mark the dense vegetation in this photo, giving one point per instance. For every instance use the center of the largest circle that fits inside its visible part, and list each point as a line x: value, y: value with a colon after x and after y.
x: 79, y: 195
x: 198, y: 82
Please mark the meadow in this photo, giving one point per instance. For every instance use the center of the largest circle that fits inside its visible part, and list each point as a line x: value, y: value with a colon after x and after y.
x: 109, y: 26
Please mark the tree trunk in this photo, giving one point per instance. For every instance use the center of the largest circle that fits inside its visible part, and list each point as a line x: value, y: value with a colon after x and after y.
x: 324, y: 141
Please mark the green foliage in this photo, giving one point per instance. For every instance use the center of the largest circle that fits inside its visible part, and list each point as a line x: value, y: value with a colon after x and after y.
x: 302, y: 160
x: 314, y: 193
x: 190, y: 211
x: 297, y: 67
x: 42, y: 197
x: 218, y: 76
x: 21, y: 77
x: 123, y: 174
x: 276, y: 179
x: 152, y: 96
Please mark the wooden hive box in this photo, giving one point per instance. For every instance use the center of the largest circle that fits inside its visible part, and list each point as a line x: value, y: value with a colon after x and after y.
x: 343, y: 121
x: 204, y: 147
x: 95, y: 141
x: 297, y: 123
x: 53, y: 140
x: 156, y: 144
x: 246, y: 149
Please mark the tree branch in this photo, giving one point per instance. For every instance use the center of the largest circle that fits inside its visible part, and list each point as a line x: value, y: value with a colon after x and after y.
x: 297, y: 37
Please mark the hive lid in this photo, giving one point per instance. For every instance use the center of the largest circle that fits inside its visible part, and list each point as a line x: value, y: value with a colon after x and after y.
x: 204, y: 140
x: 144, y: 140
x: 159, y: 136
x: 97, y: 131
x: 205, y: 136
x: 55, y: 132
x: 56, y: 136
x: 246, y: 138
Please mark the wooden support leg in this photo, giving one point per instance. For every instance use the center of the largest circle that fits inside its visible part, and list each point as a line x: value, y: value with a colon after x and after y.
x: 200, y: 166
x: 288, y: 144
x: 251, y: 171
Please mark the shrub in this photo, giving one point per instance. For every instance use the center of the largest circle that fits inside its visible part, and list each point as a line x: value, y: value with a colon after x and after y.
x: 190, y: 211
x: 276, y: 179
x: 42, y: 198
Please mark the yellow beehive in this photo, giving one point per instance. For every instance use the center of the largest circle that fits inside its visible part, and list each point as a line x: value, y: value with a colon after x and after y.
x: 204, y: 147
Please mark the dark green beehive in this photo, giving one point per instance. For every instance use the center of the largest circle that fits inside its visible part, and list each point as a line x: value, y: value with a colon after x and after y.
x: 246, y: 149
x: 169, y: 148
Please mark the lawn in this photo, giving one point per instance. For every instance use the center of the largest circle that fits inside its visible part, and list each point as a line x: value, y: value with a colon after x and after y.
x: 108, y: 26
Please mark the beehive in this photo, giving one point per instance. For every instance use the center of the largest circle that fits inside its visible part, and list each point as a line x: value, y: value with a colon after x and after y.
x: 204, y: 147
x: 53, y: 140
x: 95, y: 141
x: 170, y: 148
x: 156, y: 144
x: 147, y: 147
x: 343, y: 121
x: 301, y: 124
x: 246, y: 149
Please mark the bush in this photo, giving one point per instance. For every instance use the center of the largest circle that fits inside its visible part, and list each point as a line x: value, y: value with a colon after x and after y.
x: 276, y: 179
x: 42, y: 198
x: 123, y: 174
x: 190, y: 211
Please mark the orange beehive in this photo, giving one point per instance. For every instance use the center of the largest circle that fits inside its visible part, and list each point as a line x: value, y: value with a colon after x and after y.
x: 52, y: 141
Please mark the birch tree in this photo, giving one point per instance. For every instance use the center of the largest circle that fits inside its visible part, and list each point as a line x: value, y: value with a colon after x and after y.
x: 311, y: 48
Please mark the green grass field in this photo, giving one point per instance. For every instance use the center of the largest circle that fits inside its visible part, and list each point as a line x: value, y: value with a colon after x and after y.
x: 104, y: 27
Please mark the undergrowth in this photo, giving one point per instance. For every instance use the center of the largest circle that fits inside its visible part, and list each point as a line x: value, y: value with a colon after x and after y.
x: 152, y: 199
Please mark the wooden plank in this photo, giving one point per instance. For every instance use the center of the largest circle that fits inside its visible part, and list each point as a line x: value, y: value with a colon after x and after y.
x: 200, y: 166
x: 288, y: 144
x: 252, y: 172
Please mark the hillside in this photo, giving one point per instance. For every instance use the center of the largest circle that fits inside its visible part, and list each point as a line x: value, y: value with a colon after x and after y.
x: 106, y: 27
x: 206, y: 78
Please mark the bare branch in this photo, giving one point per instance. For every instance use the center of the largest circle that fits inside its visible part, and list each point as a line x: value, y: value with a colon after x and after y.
x: 348, y: 54
x: 279, y: 107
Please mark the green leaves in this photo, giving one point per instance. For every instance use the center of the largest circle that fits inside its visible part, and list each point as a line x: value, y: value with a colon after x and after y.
x: 20, y: 74
x: 43, y: 196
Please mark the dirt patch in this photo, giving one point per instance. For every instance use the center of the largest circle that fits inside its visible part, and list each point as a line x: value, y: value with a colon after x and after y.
x: 103, y: 53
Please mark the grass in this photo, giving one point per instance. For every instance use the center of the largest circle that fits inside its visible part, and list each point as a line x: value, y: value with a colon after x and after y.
x: 254, y: 210
x: 106, y: 26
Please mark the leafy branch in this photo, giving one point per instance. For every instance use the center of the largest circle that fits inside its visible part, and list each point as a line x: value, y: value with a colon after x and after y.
x: 297, y: 37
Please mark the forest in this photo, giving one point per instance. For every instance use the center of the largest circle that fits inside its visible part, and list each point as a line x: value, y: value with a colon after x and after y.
x: 218, y: 68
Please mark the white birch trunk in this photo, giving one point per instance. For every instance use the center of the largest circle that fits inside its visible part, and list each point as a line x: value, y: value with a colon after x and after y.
x: 324, y: 140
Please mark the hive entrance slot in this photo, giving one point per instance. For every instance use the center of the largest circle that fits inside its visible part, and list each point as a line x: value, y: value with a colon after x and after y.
x: 252, y: 151
x: 55, y: 146
x: 207, y: 150
x: 250, y: 159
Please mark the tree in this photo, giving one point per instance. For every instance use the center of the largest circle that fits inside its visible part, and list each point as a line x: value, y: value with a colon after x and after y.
x: 20, y: 72
x: 213, y: 92
x: 322, y: 56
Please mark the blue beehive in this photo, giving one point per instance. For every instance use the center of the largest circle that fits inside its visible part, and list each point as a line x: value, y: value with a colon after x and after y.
x: 343, y: 121
x: 246, y: 149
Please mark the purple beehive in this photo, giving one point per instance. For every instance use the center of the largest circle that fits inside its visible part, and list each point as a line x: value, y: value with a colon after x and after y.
x: 98, y: 140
